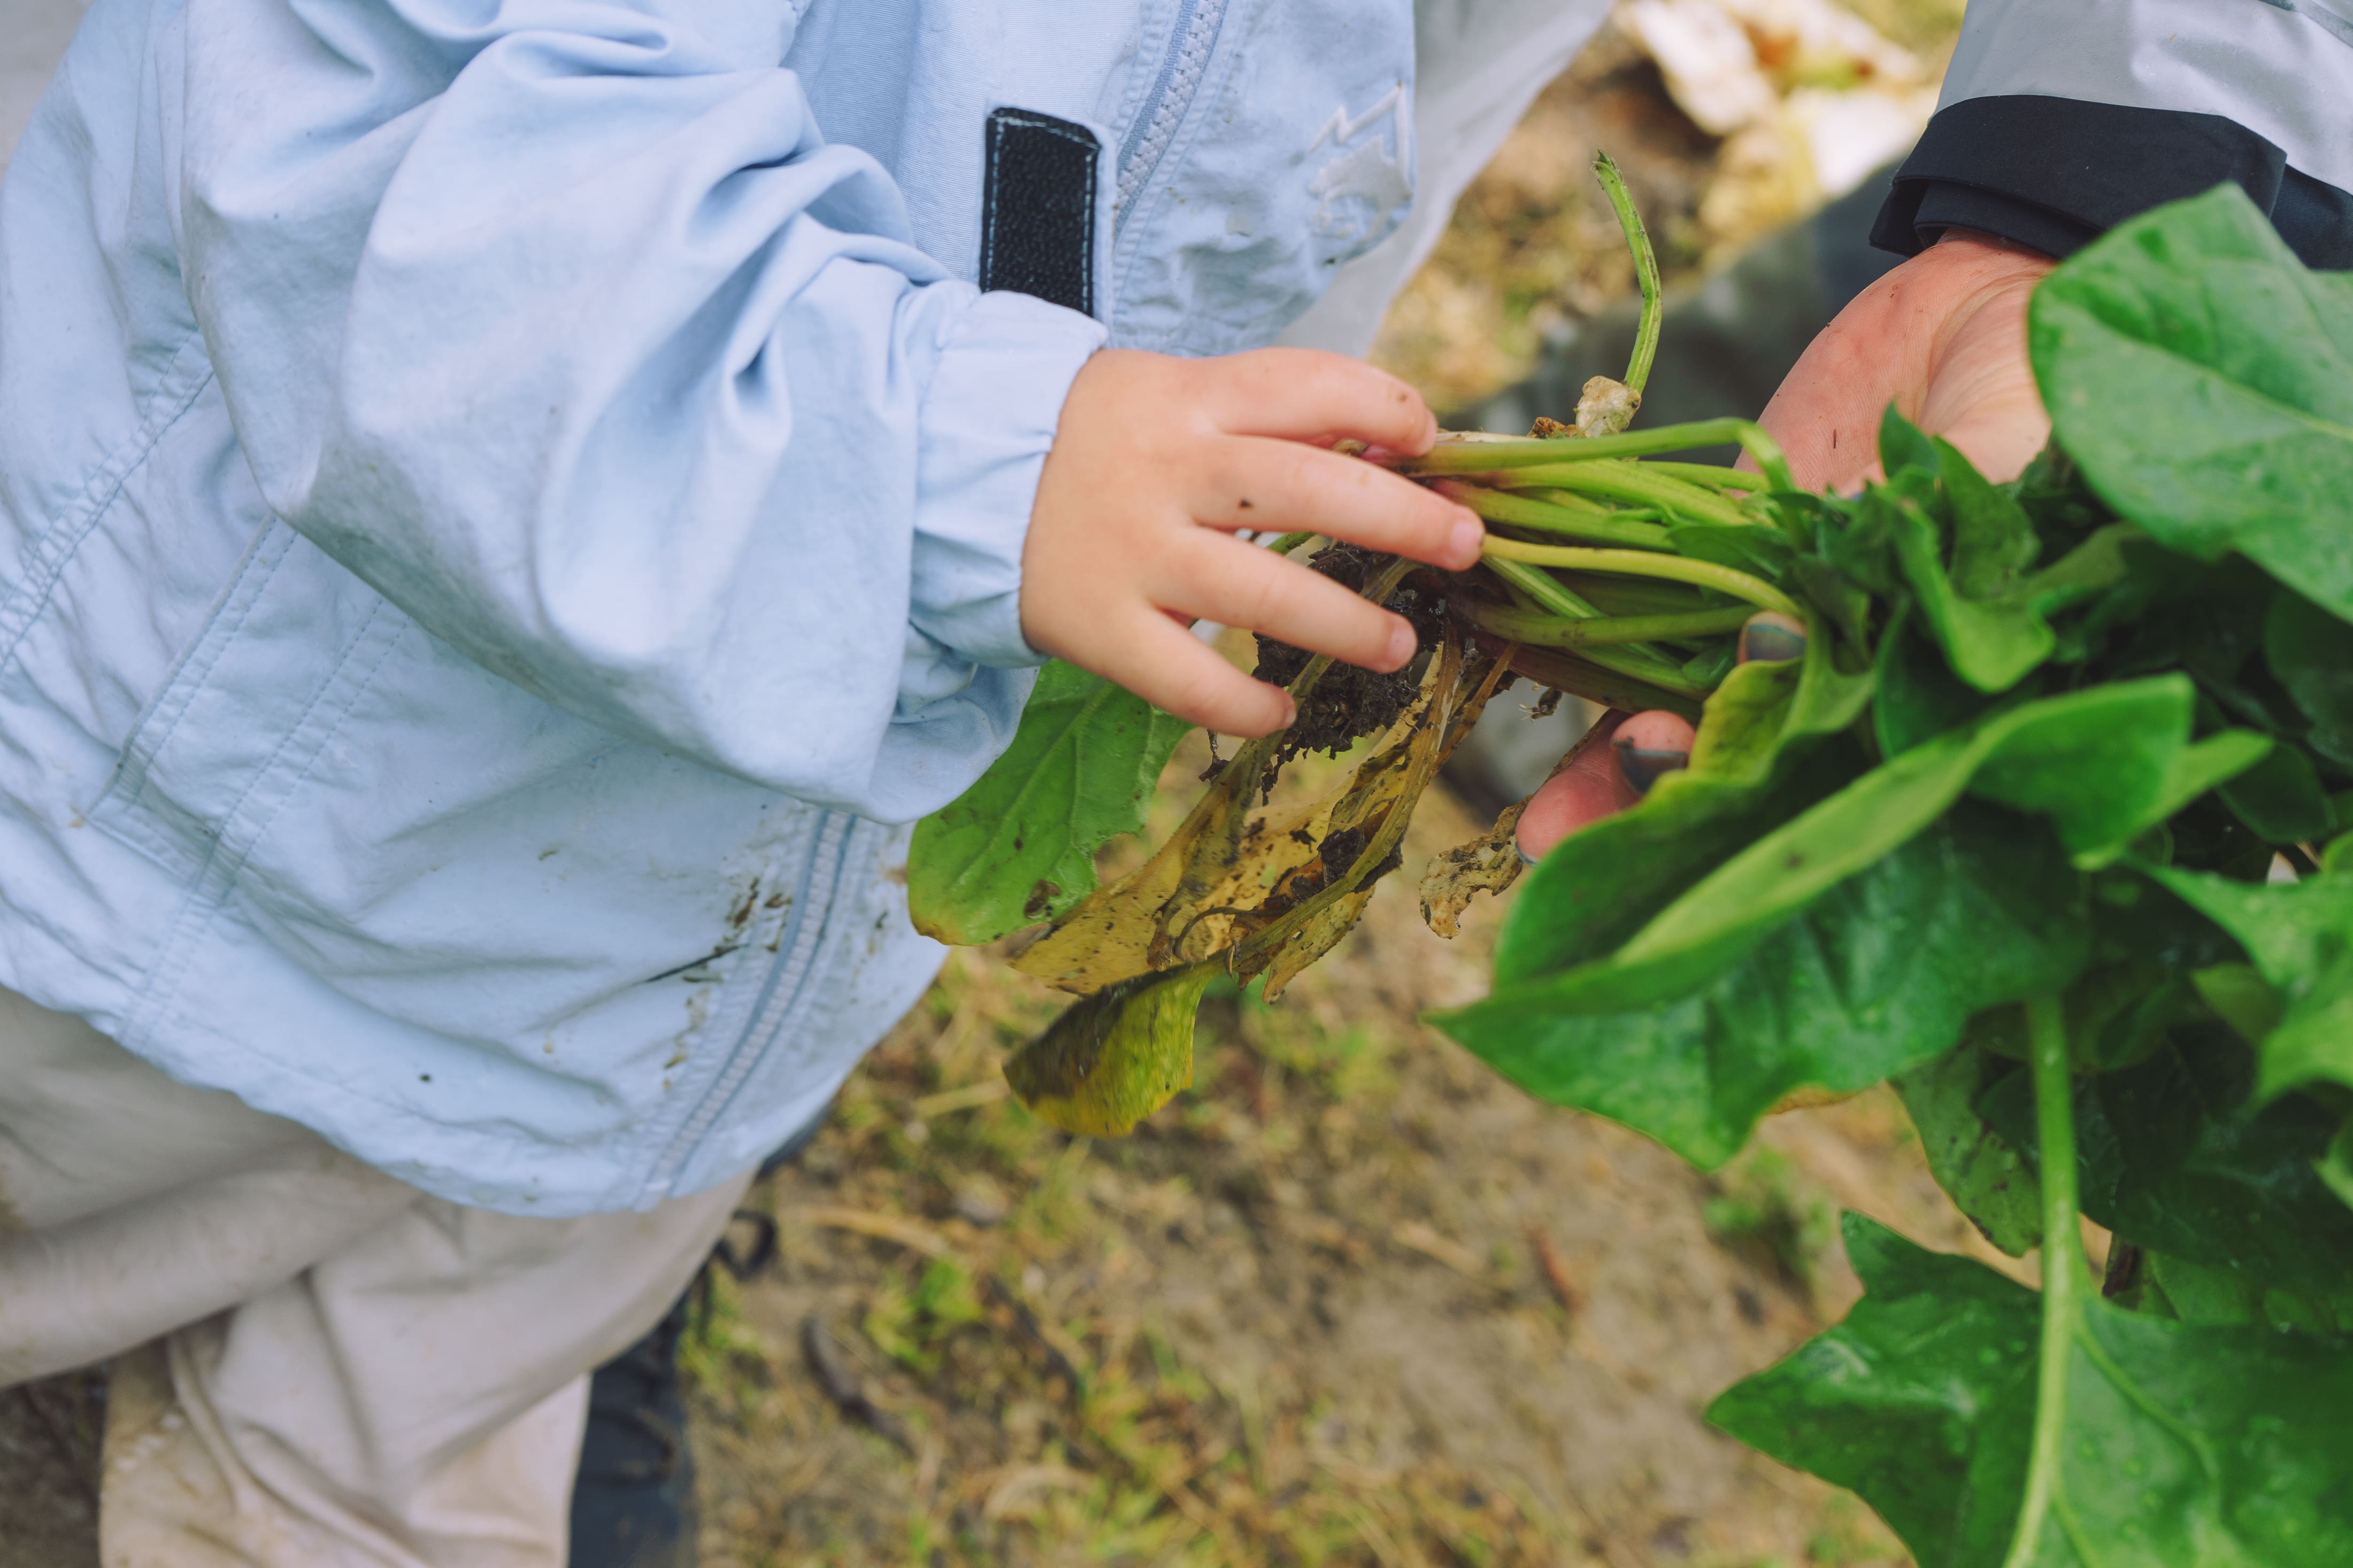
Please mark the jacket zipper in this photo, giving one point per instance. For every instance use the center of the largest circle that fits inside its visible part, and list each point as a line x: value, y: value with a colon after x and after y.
x: 1191, y: 41
x: 787, y: 977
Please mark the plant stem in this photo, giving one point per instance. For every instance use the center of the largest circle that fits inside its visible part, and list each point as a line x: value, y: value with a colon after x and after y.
x: 1706, y: 474
x: 1629, y: 482
x: 1631, y: 595
x: 1646, y: 270
x: 1487, y: 456
x: 1602, y: 631
x: 2063, y: 1279
x: 1599, y: 526
x: 1291, y: 541
x: 1577, y: 675
x: 1642, y: 564
x: 1634, y: 661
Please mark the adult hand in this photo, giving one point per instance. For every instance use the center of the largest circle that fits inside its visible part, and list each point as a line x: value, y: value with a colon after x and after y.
x: 1158, y: 462
x: 1942, y: 337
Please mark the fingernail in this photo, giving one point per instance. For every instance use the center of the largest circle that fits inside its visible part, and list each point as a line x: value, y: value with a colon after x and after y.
x: 1289, y: 712
x: 1403, y: 642
x: 1643, y: 767
x: 1468, y: 537
x: 1771, y: 637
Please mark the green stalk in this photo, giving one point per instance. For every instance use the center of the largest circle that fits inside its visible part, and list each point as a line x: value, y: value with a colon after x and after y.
x: 1544, y: 588
x: 1646, y: 270
x: 1291, y: 541
x: 1628, y: 482
x: 1706, y: 474
x: 1579, y: 676
x: 1633, y: 660
x: 1491, y: 456
x: 1632, y: 596
x: 1642, y: 564
x: 2062, y: 1264
x: 1602, y: 631
x: 1599, y: 526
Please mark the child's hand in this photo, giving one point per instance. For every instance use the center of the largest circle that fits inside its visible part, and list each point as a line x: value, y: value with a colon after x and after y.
x: 1158, y: 462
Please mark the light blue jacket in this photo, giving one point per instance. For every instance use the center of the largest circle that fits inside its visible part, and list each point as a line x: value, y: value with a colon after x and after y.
x: 503, y: 501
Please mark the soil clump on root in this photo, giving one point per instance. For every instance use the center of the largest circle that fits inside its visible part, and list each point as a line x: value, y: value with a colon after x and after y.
x: 1349, y: 703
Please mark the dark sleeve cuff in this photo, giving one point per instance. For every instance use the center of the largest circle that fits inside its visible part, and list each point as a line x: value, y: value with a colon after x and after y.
x: 2053, y: 173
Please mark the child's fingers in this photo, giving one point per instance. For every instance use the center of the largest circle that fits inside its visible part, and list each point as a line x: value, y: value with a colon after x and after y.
x: 1178, y: 673
x: 1283, y: 485
x: 1304, y: 394
x: 1239, y: 584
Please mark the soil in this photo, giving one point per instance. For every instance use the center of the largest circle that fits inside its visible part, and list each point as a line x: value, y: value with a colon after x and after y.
x: 1349, y: 703
x: 48, y: 1473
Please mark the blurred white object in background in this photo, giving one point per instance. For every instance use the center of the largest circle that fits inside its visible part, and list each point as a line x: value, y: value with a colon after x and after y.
x: 1809, y: 96
x: 1710, y: 63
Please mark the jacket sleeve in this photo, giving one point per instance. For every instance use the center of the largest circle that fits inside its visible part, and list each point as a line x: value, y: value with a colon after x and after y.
x: 2063, y: 118
x: 571, y: 335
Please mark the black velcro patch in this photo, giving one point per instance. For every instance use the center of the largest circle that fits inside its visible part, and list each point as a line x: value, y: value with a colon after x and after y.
x: 1037, y: 209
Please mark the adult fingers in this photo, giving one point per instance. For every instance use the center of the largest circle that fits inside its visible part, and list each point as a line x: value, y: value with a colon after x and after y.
x: 1304, y: 394
x: 1177, y: 672
x: 1622, y: 757
x: 1283, y: 485
x: 1771, y: 636
x: 1650, y: 746
x: 1584, y: 789
x: 1239, y: 584
x: 1614, y: 766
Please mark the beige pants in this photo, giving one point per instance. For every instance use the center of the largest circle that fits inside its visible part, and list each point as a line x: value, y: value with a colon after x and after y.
x: 313, y: 1365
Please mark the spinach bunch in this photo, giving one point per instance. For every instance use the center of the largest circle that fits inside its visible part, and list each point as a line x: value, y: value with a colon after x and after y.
x: 2049, y: 827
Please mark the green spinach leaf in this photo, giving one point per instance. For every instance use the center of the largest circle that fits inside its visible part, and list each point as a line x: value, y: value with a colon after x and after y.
x: 1018, y: 847
x: 2310, y: 653
x: 1982, y: 1171
x: 1994, y: 542
x: 2182, y: 1444
x: 1877, y: 976
x: 2299, y: 936
x: 2203, y: 380
x: 1991, y: 644
x: 2281, y: 798
x: 2169, y: 1158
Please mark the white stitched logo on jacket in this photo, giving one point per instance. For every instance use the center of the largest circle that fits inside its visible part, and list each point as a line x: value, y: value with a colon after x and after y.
x: 1369, y: 178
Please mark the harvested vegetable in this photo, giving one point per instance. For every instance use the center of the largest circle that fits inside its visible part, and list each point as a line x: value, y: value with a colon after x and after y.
x: 2047, y: 825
